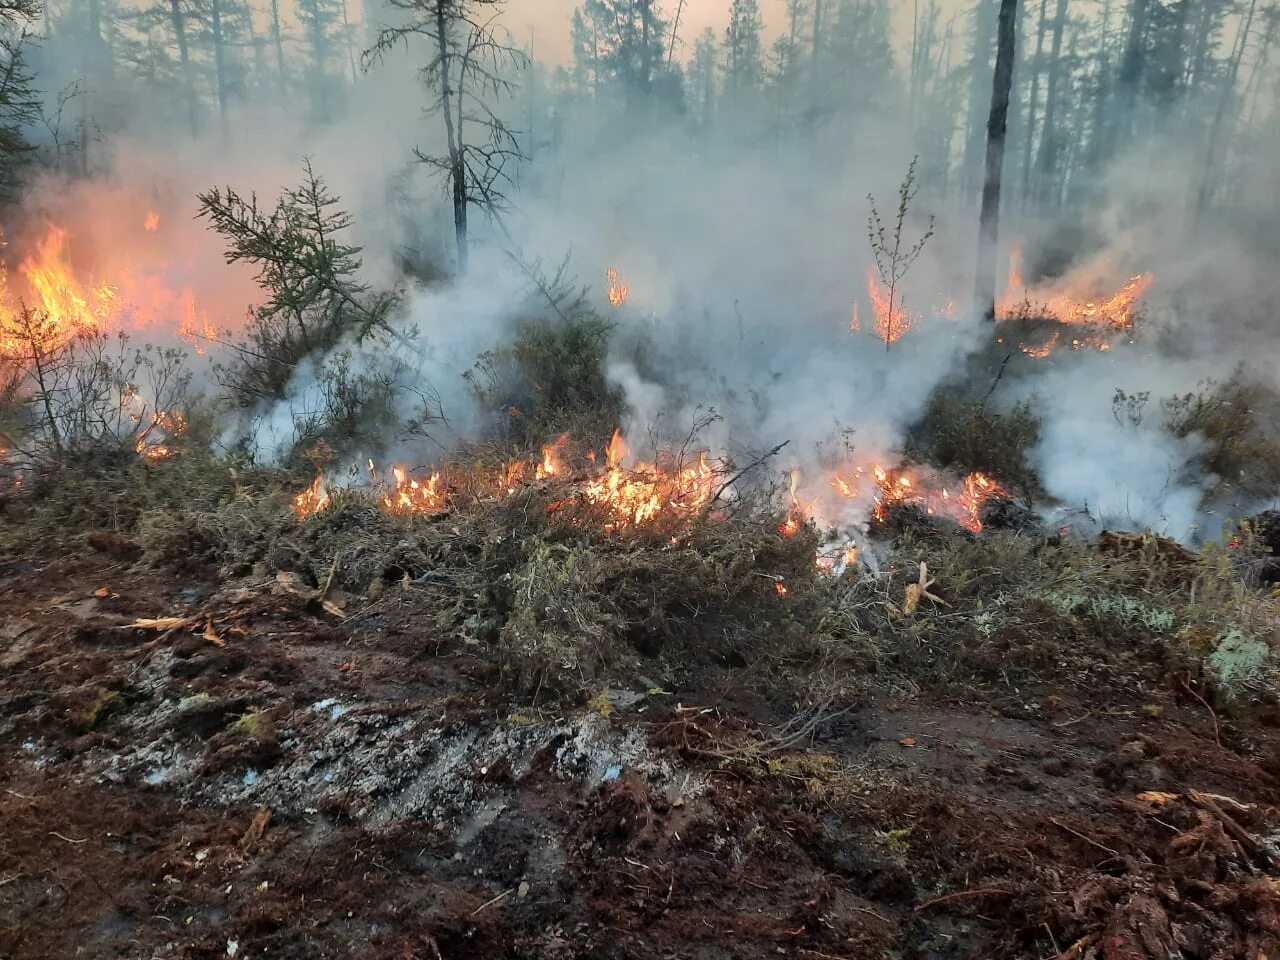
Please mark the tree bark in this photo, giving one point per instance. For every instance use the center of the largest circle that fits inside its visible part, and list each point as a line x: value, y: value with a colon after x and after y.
x: 188, y: 82
x: 997, y: 128
x: 219, y: 64
x: 1131, y: 67
x: 1033, y: 102
x: 277, y: 40
x: 457, y: 162
x: 1047, y: 159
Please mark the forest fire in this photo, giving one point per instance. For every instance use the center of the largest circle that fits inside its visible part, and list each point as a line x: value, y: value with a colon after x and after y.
x: 924, y: 490
x: 1101, y: 317
x: 617, y: 289
x: 892, y: 320
x: 637, y: 495
x: 630, y: 496
x: 61, y: 306
x: 796, y: 514
x: 414, y: 496
x: 315, y: 499
x: 155, y: 441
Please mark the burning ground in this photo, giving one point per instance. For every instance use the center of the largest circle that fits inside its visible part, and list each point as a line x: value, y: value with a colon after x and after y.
x: 531, y: 716
x: 582, y: 679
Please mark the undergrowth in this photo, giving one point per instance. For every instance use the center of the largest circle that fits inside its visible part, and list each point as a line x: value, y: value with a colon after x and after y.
x: 544, y: 584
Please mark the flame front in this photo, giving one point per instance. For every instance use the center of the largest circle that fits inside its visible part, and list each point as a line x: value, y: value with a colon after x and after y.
x: 1101, y: 318
x: 629, y: 496
x: 892, y: 320
x: 617, y: 289
x: 65, y: 306
x: 922, y: 489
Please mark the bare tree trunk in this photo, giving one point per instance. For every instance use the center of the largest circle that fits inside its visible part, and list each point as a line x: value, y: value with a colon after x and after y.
x: 457, y: 161
x: 675, y: 30
x: 646, y: 46
x: 346, y: 32
x: 256, y: 42
x: 1098, y: 133
x: 1033, y: 102
x: 1131, y: 67
x: 277, y: 40
x: 1215, y: 133
x: 188, y: 82
x: 997, y: 128
x: 1047, y: 159
x: 219, y: 65
x: 984, y: 33
x: 815, y: 57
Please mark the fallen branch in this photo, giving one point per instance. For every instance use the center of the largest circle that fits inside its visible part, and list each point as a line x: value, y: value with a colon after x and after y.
x: 1087, y: 839
x: 1252, y: 847
x: 1217, y: 736
x: 981, y: 892
x: 758, y: 461
x: 489, y: 903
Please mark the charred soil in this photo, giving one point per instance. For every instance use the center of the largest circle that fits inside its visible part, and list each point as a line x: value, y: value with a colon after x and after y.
x: 198, y: 767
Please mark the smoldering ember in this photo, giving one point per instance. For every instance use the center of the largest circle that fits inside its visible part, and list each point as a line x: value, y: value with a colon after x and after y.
x: 646, y: 479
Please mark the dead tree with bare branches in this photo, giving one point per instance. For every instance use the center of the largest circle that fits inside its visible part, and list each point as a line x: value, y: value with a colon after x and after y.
x: 468, y: 71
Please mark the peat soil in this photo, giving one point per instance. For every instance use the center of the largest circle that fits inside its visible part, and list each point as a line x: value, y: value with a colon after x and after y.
x: 252, y: 772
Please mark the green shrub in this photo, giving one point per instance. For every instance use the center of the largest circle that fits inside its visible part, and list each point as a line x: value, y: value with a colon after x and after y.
x: 1237, y: 422
x: 959, y: 432
x: 550, y: 380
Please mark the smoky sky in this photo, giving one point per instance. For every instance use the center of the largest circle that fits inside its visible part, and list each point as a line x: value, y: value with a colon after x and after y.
x: 547, y: 21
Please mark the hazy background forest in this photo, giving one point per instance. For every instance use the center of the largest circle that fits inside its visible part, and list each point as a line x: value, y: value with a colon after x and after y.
x: 718, y: 156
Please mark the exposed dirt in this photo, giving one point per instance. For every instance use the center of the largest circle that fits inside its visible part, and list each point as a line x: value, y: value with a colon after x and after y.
x: 270, y: 775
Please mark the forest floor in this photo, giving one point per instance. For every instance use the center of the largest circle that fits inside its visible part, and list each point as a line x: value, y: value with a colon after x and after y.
x: 261, y: 775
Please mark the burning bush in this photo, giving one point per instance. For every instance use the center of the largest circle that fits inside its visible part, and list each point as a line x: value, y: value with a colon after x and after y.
x: 71, y: 395
x: 961, y: 433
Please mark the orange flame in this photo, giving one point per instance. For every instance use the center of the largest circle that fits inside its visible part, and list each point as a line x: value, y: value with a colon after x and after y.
x: 155, y: 442
x: 65, y: 306
x: 1104, y: 316
x: 892, y: 320
x: 926, y: 491
x: 313, y: 500
x: 618, y: 290
x: 553, y: 458
x: 152, y: 222
x: 631, y: 496
x: 414, y: 496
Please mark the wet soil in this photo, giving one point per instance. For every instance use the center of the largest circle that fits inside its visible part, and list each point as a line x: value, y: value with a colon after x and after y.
x: 257, y: 773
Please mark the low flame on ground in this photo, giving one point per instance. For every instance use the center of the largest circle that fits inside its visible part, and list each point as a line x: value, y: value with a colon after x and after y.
x: 155, y: 442
x: 1101, y: 318
x: 796, y: 514
x: 892, y: 320
x: 414, y: 496
x: 923, y: 489
x: 631, y: 496
x: 315, y: 499
x: 618, y: 290
x: 637, y: 495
